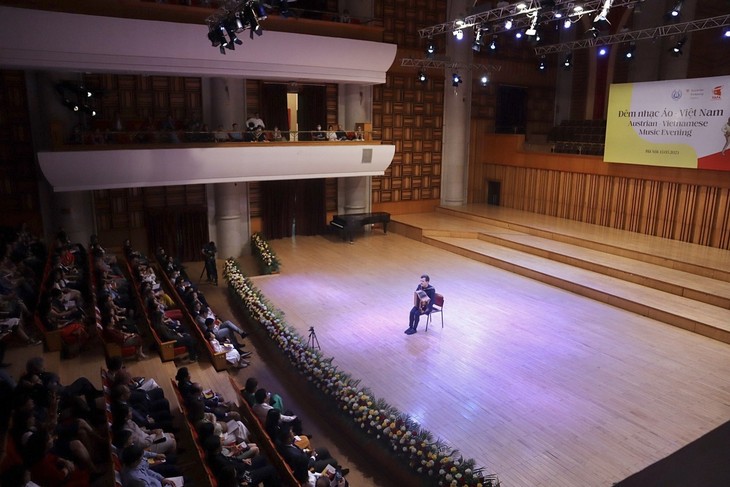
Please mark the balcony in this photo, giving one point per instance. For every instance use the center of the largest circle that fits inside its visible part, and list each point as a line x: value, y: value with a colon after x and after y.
x: 124, y: 160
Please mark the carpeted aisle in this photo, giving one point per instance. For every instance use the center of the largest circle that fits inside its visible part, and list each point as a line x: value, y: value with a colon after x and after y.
x: 703, y: 463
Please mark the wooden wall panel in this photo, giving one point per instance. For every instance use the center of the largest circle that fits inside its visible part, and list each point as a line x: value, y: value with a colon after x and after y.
x: 684, y: 211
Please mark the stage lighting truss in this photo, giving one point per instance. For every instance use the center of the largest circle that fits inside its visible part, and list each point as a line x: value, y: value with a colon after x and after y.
x: 637, y: 35
x: 424, y: 64
x: 521, y: 15
x: 233, y: 18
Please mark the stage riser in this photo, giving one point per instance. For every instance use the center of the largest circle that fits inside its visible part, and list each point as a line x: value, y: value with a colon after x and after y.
x: 712, y: 273
x: 592, y: 293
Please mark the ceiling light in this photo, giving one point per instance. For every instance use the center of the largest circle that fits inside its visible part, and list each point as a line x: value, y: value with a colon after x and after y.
x: 459, y: 34
x: 484, y: 80
x: 602, y: 51
x: 567, y: 24
x: 508, y: 24
x: 558, y: 15
x: 676, y: 50
x: 630, y: 51
x: 430, y: 49
x: 478, y: 42
x: 422, y: 77
x: 578, y: 9
x: 592, y: 32
x: 493, y: 44
x: 726, y: 34
x: 677, y: 9
x: 455, y: 80
x: 518, y: 34
x: 521, y: 6
x: 568, y: 62
x: 542, y: 66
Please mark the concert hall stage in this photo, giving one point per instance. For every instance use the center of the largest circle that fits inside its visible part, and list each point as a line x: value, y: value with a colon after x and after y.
x: 599, y: 353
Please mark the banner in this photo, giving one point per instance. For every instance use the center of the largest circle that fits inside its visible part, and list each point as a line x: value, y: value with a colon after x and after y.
x: 677, y: 123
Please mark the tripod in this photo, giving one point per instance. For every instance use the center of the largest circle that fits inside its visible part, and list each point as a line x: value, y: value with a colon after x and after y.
x: 313, y: 342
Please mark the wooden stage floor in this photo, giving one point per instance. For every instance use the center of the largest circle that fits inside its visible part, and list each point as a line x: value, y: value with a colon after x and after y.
x: 539, y: 385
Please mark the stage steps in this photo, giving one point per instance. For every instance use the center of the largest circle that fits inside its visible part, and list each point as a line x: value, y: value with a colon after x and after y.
x: 660, y: 287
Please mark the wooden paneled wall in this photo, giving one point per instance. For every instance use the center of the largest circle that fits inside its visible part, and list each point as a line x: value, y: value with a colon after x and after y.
x: 681, y: 204
x: 137, y: 97
x: 18, y: 171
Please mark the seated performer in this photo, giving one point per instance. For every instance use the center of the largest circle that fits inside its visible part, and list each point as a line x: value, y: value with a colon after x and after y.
x: 423, y: 302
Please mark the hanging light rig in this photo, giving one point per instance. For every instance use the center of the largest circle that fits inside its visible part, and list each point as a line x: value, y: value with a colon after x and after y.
x: 232, y: 19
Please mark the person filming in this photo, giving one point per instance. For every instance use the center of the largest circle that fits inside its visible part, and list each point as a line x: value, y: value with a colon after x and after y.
x: 209, y: 251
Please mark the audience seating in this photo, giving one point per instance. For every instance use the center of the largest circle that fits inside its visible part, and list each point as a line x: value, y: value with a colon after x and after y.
x: 217, y: 359
x: 579, y: 137
x: 200, y: 453
x: 265, y: 444
x: 168, y: 351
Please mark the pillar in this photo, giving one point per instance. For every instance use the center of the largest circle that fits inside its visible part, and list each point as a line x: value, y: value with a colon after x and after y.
x: 226, y: 99
x: 74, y: 213
x: 231, y: 219
x: 457, y: 113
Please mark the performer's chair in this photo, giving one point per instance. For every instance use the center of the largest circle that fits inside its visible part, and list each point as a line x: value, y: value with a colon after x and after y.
x: 436, y: 307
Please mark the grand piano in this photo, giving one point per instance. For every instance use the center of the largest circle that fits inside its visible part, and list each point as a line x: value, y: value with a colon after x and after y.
x: 352, y: 221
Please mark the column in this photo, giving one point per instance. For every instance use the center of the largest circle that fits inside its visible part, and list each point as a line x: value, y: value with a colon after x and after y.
x: 231, y: 219
x: 356, y: 103
x: 457, y: 113
x: 227, y: 102
x: 228, y: 216
x: 74, y: 213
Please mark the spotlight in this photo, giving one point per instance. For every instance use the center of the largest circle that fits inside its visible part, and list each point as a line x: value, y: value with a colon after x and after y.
x: 568, y: 63
x: 251, y: 20
x: 567, y: 23
x: 508, y: 24
x: 726, y: 34
x: 459, y: 34
x: 630, y: 51
x: 542, y: 66
x: 217, y: 38
x: 455, y: 80
x: 430, y: 49
x: 674, y: 13
x: 601, y: 22
x: 592, y: 33
x: 477, y: 44
x: 676, y: 50
x: 518, y: 34
x: 602, y: 51
x: 484, y: 80
x: 493, y: 44
x: 558, y: 15
x: 232, y: 25
x: 422, y: 77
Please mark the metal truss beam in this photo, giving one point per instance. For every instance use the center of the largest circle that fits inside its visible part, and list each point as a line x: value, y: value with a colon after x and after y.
x: 636, y: 35
x: 521, y: 17
x: 437, y: 64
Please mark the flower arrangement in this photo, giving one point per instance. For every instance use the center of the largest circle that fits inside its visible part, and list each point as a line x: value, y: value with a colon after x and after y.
x: 268, y: 262
x: 436, y: 461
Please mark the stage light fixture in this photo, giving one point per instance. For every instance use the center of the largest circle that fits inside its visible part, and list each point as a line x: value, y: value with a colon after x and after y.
x: 542, y: 66
x: 630, y: 51
x: 217, y: 38
x: 518, y: 34
x: 521, y: 6
x: 568, y: 62
x: 484, y: 80
x: 676, y: 50
x: 508, y: 24
x: 430, y: 49
x: 251, y: 20
x: 602, y: 51
x: 726, y: 34
x: 676, y: 10
x: 478, y: 41
x: 459, y: 34
x: 493, y: 44
x: 422, y: 77
x: 455, y: 80
x: 592, y: 33
x: 532, y: 30
x: 567, y: 23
